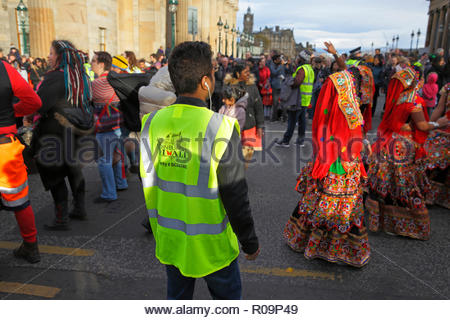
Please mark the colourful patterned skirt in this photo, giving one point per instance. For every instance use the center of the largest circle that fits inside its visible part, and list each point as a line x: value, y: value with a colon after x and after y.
x: 397, y: 186
x: 437, y: 166
x: 328, y: 222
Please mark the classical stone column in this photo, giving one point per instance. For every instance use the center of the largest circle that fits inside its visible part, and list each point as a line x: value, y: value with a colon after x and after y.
x: 440, y: 28
x: 205, y: 21
x: 213, y: 18
x: 42, y: 27
x: 434, y: 30
x: 182, y: 21
x: 430, y: 25
x: 445, y: 32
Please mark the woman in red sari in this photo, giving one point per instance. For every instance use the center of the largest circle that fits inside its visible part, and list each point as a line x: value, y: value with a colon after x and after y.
x: 328, y: 222
x: 397, y: 180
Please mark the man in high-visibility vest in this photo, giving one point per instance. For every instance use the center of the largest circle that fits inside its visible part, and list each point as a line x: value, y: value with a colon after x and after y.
x: 13, y: 172
x: 194, y: 183
x: 304, y: 79
x: 355, y: 58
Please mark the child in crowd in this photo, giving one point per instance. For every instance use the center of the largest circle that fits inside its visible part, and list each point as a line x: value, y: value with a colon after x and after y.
x: 235, y: 104
x: 430, y: 91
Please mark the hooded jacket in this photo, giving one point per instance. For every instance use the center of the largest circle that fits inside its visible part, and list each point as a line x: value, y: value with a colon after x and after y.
x: 254, y: 116
x: 430, y: 90
x: 237, y: 111
x: 158, y: 94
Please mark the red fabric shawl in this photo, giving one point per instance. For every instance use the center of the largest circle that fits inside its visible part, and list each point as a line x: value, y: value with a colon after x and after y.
x: 396, y: 116
x: 332, y: 137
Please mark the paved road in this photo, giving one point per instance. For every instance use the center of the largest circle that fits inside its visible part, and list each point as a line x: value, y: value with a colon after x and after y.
x: 116, y: 257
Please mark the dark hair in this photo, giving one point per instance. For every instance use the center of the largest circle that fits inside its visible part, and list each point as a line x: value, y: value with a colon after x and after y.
x: 132, y: 61
x: 188, y: 64
x: 238, y: 68
x: 233, y: 92
x: 142, y: 60
x: 105, y: 58
x: 357, y: 79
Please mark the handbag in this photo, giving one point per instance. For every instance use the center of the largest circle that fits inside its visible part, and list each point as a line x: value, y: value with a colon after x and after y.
x: 103, y: 122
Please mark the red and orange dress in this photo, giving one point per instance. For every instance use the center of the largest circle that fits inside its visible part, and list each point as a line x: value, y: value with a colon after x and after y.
x: 437, y: 162
x: 397, y: 180
x: 328, y: 222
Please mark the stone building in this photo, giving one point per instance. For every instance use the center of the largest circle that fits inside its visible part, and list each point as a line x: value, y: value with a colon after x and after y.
x: 281, y: 40
x: 438, y: 33
x: 112, y: 25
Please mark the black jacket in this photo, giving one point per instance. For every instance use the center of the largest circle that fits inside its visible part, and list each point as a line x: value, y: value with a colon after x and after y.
x: 233, y: 188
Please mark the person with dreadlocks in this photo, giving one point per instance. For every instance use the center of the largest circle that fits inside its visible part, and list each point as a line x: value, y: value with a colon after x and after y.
x: 65, y: 88
x: 328, y: 221
x: 397, y: 180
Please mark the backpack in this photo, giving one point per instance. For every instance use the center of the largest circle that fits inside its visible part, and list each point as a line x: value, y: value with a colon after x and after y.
x: 126, y: 86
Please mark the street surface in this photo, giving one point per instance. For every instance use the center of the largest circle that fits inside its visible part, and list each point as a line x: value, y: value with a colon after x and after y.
x: 116, y: 257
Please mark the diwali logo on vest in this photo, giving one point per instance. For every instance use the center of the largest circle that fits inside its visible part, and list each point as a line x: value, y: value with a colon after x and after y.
x: 172, y: 152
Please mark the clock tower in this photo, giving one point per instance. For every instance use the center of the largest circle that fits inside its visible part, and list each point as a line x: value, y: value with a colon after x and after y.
x: 248, y: 22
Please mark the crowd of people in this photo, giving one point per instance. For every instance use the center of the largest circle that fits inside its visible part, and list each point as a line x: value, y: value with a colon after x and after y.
x: 68, y: 97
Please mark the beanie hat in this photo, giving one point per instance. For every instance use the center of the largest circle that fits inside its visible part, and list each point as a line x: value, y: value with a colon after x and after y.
x: 120, y: 62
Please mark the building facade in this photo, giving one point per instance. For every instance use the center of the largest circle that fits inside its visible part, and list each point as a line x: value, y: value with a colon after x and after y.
x: 276, y: 39
x: 112, y: 25
x: 438, y: 33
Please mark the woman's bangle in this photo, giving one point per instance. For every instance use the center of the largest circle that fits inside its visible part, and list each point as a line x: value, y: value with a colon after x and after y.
x: 435, y: 124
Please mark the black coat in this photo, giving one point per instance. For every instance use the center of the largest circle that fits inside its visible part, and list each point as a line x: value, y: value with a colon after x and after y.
x: 58, y: 150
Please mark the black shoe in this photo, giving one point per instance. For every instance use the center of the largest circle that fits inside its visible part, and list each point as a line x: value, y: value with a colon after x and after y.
x: 134, y: 169
x: 120, y: 190
x: 300, y: 144
x: 102, y: 200
x: 146, y: 224
x: 57, y: 226
x: 28, y: 251
x: 77, y: 216
x: 282, y: 144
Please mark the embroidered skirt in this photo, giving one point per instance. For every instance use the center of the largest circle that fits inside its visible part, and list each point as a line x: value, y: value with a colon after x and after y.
x: 437, y: 166
x: 328, y: 222
x: 397, y: 185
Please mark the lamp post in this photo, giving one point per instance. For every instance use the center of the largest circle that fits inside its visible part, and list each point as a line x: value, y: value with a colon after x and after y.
x: 173, y: 5
x: 412, y: 38
x: 238, y: 42
x: 220, y: 25
x: 418, y: 36
x: 387, y: 46
x: 393, y: 42
x: 372, y: 48
x: 398, y: 37
x: 233, y: 32
x: 226, y: 27
x: 22, y: 27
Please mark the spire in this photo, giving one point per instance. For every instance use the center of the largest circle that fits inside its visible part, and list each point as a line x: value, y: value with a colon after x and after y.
x: 249, y: 10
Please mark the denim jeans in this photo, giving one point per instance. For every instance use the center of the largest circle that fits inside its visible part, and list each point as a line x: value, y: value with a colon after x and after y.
x: 294, y: 117
x: 111, y: 176
x: 224, y: 284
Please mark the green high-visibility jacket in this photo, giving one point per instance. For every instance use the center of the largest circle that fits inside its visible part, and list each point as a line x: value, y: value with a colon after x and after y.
x: 352, y: 62
x: 306, y: 88
x: 181, y: 148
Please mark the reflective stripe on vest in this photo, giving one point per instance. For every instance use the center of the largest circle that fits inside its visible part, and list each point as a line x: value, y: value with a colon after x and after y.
x: 306, y: 88
x: 189, y: 229
x: 14, y: 190
x: 16, y: 203
x: 201, y: 190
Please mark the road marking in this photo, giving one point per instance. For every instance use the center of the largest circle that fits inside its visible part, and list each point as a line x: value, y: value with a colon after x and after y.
x: 76, y: 252
x: 309, y: 132
x: 28, y: 289
x: 289, y: 272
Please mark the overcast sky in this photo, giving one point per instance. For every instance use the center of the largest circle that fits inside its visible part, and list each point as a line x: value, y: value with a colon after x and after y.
x: 347, y: 23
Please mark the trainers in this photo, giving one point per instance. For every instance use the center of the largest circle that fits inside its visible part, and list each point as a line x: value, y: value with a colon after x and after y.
x: 28, y: 251
x: 282, y: 144
x: 300, y: 144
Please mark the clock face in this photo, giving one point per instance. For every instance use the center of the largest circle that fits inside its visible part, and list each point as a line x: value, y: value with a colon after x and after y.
x: 248, y: 19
